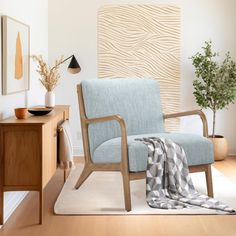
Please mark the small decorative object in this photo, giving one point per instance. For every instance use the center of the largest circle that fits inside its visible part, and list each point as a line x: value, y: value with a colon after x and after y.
x: 215, y: 88
x: 50, y: 99
x: 21, y: 113
x: 15, y: 56
x: 50, y: 76
x: 38, y: 111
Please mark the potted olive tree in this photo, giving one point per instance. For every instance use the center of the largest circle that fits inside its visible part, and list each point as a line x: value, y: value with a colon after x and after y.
x: 214, y: 88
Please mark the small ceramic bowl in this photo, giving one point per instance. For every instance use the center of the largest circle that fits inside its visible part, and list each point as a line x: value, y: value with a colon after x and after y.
x: 40, y: 111
x: 21, y: 113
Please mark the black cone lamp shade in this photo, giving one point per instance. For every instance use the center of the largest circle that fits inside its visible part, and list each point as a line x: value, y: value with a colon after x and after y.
x: 74, y: 66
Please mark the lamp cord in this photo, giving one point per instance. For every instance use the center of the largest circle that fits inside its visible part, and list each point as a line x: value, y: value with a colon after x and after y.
x: 63, y: 61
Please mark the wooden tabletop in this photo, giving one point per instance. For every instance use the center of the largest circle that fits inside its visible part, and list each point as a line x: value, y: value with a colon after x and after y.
x: 35, y: 119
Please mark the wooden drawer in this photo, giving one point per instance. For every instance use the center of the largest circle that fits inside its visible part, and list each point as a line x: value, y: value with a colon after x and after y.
x: 22, y: 155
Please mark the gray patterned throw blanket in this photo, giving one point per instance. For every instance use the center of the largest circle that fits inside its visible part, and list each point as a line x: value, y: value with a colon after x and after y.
x: 169, y: 185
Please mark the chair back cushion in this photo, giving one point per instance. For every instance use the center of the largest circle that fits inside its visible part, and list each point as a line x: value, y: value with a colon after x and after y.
x: 136, y: 100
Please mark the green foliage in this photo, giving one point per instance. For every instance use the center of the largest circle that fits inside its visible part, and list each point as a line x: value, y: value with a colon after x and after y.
x: 215, y: 86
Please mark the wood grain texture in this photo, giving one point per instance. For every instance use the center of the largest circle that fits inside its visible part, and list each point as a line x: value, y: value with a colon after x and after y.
x: 142, y: 41
x: 192, y: 113
x: 31, y: 119
x: 28, y: 153
x: 89, y: 166
x: 22, y: 155
x: 50, y: 147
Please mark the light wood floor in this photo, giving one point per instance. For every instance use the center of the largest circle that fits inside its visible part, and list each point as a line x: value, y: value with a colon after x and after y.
x: 24, y: 220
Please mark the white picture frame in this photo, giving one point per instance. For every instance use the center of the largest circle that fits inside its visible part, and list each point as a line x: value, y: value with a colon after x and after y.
x: 15, y: 56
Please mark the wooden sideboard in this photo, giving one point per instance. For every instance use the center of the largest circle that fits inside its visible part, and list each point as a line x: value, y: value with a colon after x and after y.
x: 28, y: 153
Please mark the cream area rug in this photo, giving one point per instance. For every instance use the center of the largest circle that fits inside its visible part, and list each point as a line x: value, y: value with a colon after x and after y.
x: 102, y: 193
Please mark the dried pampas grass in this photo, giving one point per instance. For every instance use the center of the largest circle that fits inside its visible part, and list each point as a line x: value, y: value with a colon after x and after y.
x: 49, y: 75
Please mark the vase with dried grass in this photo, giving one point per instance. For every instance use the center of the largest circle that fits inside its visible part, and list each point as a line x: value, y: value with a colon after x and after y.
x: 49, y: 78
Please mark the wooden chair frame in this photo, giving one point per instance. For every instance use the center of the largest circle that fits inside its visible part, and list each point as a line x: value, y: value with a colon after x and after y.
x: 123, y: 166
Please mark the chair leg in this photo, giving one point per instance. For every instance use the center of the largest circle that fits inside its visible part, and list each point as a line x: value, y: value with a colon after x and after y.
x: 209, y: 181
x: 84, y: 175
x: 126, y: 186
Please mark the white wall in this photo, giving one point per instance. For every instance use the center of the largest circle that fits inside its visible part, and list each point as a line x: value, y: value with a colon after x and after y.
x: 73, y: 30
x: 35, y: 14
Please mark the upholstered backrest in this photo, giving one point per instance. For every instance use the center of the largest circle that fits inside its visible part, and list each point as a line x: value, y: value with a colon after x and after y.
x: 136, y: 100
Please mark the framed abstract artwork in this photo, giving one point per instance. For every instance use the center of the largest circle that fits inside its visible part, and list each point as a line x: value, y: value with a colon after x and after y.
x: 16, y: 53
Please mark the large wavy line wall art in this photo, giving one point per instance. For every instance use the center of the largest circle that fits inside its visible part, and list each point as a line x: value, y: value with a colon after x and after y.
x: 142, y: 41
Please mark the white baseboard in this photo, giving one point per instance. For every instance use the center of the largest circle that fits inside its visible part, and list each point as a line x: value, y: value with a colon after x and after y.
x: 232, y: 154
x: 11, y: 201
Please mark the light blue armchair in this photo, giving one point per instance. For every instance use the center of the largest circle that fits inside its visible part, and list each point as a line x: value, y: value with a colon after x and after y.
x: 114, y: 112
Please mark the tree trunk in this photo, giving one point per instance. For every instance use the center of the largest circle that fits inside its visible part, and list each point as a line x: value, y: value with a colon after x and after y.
x: 214, y: 123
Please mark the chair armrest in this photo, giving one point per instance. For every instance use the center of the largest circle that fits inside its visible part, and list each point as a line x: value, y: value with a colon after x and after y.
x: 118, y: 118
x: 121, y: 121
x: 106, y: 118
x: 191, y: 113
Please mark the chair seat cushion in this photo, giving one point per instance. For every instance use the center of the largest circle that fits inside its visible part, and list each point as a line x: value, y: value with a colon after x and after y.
x: 198, y: 149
